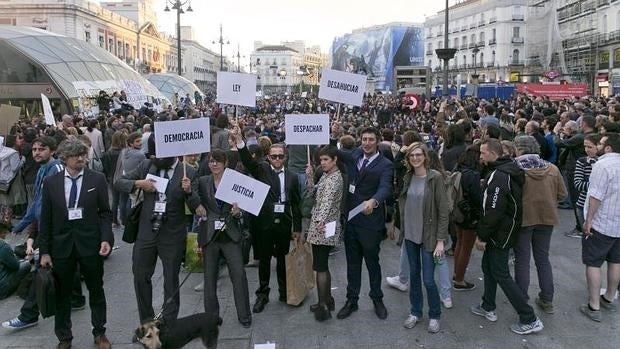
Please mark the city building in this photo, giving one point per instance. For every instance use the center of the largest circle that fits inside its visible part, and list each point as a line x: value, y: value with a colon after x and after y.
x: 578, y: 38
x: 375, y: 51
x: 489, y: 37
x: 125, y: 29
x: 287, y: 67
x: 200, y: 65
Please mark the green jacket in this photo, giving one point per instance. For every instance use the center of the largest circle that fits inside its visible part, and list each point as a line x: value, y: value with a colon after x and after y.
x: 436, y: 210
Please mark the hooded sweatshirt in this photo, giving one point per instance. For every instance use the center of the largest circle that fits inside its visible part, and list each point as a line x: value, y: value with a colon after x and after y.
x: 543, y: 188
x: 502, y: 206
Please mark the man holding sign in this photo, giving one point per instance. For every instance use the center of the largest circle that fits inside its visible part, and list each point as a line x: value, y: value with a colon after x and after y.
x: 279, y: 216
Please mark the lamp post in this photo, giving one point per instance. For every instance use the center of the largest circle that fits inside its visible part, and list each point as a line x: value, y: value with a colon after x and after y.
x: 446, y: 54
x: 178, y: 5
x: 302, y: 72
x: 221, y: 42
x: 239, y: 56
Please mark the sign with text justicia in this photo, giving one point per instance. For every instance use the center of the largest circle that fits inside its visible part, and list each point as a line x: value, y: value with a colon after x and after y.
x: 341, y: 87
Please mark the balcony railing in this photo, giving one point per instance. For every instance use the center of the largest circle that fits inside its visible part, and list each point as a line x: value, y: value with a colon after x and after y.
x: 463, y: 28
x: 472, y: 45
x: 463, y: 46
x: 517, y: 40
x: 490, y: 65
x: 481, y: 24
x: 480, y: 43
x: 429, y: 53
x: 492, y: 20
x: 472, y: 26
x: 518, y: 17
x: 516, y: 62
x: 492, y: 41
x: 462, y: 66
x: 601, y: 3
x: 440, y: 34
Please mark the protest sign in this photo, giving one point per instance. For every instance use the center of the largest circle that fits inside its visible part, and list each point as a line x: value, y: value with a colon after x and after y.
x: 182, y: 137
x: 236, y: 89
x: 307, y: 129
x: 9, y: 115
x: 347, y: 88
x: 47, y: 110
x: 247, y: 192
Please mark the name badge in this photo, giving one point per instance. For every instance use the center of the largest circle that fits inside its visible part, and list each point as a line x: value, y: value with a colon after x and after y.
x: 351, y: 189
x: 219, y: 225
x: 75, y: 213
x: 160, y: 207
x: 278, y: 208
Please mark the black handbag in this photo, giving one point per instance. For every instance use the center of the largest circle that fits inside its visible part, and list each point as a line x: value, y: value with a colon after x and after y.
x: 132, y: 223
x: 45, y: 287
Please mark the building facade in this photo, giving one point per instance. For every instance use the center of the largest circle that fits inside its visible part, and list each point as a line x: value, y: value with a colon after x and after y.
x: 489, y: 37
x: 200, y: 65
x: 125, y: 29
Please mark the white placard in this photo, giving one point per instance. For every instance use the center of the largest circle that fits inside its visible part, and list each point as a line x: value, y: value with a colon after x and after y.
x: 354, y: 212
x: 330, y: 229
x: 47, y: 110
x: 306, y: 129
x: 304, y: 94
x: 160, y: 183
x: 182, y: 137
x: 236, y: 89
x: 265, y: 346
x: 341, y: 87
x: 247, y: 192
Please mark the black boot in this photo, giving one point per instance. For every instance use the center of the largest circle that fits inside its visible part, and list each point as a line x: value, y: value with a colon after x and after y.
x: 331, y: 305
x: 322, y: 313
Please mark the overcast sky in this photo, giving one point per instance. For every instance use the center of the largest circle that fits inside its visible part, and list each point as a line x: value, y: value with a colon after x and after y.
x: 271, y: 21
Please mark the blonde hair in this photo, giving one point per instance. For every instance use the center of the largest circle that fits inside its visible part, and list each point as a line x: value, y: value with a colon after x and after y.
x: 412, y: 147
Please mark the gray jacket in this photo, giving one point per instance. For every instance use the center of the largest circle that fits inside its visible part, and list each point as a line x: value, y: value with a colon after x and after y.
x: 207, y: 230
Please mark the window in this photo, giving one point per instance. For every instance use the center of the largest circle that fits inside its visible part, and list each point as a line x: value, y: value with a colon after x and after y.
x: 101, y: 41
x: 481, y: 37
x: 494, y: 34
x: 87, y: 36
x: 430, y: 47
x: 111, y: 45
x: 516, y: 31
x: 604, y: 24
x: 481, y: 62
x: 456, y: 42
x: 440, y: 44
x: 144, y: 58
x: 515, y: 56
x: 493, y: 57
x: 618, y: 20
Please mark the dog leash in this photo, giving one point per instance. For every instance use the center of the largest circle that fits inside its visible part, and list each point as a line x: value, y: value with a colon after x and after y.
x: 160, y: 314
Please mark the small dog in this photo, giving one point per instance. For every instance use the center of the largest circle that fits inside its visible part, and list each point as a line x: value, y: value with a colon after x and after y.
x: 158, y: 334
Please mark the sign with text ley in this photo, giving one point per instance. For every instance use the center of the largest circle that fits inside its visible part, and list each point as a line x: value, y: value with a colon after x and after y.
x: 247, y: 192
x: 347, y: 88
x: 236, y: 89
x: 182, y: 137
x: 307, y: 129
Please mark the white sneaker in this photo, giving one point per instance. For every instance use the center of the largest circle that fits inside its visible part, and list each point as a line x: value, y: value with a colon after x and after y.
x: 478, y: 310
x: 411, y: 321
x: 433, y: 326
x: 200, y: 287
x: 394, y: 281
x: 447, y: 302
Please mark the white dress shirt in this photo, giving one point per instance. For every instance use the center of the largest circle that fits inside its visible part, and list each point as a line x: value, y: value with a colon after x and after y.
x: 605, y: 187
x: 370, y: 159
x: 69, y: 183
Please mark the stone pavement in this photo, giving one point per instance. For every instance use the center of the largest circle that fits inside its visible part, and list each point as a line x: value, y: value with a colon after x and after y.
x: 295, y: 328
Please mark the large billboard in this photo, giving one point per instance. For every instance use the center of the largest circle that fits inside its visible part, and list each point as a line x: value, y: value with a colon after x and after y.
x: 375, y: 51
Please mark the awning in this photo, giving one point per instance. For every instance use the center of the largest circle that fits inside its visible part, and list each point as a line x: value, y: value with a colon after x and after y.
x: 602, y: 77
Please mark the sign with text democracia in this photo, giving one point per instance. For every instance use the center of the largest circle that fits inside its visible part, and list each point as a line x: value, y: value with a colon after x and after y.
x: 341, y: 87
x: 182, y: 137
x: 306, y: 129
x: 236, y: 89
x: 617, y: 58
x: 248, y: 193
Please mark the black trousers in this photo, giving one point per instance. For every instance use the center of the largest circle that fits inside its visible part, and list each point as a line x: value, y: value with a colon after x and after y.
x: 495, y: 269
x: 272, y: 241
x: 363, y: 244
x: 65, y: 270
x: 30, y: 309
x: 145, y: 253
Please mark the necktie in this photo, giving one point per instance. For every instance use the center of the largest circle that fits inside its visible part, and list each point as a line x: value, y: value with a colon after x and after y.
x: 73, y: 192
x: 166, y: 173
x: 364, y: 164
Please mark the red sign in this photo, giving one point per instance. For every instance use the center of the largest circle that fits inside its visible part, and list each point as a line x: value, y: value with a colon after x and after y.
x: 413, y: 101
x: 554, y: 92
x: 552, y: 74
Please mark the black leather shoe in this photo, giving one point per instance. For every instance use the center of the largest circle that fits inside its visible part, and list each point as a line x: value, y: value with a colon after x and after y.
x: 347, y: 310
x: 246, y: 323
x: 322, y: 313
x: 260, y: 304
x: 64, y: 345
x: 331, y: 305
x: 380, y: 309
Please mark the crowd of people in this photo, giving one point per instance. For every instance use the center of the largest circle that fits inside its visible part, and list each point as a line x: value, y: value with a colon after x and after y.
x: 439, y: 179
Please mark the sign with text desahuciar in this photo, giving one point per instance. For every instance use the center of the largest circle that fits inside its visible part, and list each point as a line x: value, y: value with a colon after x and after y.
x: 306, y: 129
x: 247, y: 192
x: 342, y: 87
x: 236, y: 89
x: 182, y: 137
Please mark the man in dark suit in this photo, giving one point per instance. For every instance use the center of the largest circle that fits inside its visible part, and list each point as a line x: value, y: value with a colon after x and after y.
x: 370, y: 185
x: 76, y: 229
x: 279, y: 217
x: 162, y: 229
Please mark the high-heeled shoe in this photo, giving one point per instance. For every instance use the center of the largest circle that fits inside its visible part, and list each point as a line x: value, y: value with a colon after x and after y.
x: 322, y: 313
x: 331, y: 305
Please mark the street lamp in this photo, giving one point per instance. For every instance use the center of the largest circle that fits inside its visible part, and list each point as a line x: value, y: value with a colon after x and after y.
x: 446, y: 54
x: 302, y: 72
x: 178, y: 5
x: 239, y: 56
x: 221, y: 42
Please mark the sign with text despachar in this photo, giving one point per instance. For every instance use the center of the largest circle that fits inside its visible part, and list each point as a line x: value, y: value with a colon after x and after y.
x: 236, y: 89
x: 554, y: 92
x: 306, y: 129
x: 341, y: 87
x: 248, y: 193
x: 182, y: 137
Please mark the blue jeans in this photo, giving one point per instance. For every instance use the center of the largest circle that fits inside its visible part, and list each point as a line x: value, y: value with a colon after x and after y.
x: 445, y: 281
x: 422, y: 270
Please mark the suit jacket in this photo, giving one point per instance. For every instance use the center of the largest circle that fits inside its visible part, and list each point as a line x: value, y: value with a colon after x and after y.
x: 206, y: 191
x: 263, y: 172
x: 175, y: 223
x: 95, y: 225
x: 373, y: 182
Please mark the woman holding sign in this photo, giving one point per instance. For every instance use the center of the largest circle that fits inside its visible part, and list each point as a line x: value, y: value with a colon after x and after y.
x: 325, y: 225
x: 220, y: 234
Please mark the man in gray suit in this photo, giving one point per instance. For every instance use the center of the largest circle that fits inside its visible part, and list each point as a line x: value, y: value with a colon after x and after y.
x: 162, y: 229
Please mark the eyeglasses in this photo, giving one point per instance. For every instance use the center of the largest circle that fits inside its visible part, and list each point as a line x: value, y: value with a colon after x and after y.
x: 277, y: 157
